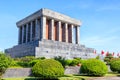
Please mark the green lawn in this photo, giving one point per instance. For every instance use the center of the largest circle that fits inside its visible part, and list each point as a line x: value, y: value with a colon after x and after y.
x: 112, y: 74
x: 62, y: 78
x: 68, y: 77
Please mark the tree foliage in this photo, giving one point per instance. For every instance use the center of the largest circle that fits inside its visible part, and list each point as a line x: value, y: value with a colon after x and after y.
x: 108, y: 58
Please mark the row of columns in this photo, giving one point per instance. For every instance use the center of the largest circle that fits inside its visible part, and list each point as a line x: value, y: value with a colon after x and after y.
x: 36, y: 30
x: 29, y: 32
x: 60, y: 35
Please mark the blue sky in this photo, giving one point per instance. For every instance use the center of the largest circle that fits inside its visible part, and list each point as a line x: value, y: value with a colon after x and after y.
x: 100, y: 20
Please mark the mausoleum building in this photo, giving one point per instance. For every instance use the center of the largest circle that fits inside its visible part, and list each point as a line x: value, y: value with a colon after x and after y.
x: 46, y: 33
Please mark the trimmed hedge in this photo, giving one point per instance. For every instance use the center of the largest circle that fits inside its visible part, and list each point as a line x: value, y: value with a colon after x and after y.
x: 48, y: 69
x: 115, y: 66
x: 93, y: 67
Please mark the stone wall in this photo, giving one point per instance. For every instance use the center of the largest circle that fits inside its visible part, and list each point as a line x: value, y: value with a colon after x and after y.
x: 27, y: 49
x: 50, y: 49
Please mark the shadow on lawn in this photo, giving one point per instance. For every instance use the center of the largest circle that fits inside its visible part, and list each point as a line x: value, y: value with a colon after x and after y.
x: 118, y: 75
x: 86, y: 75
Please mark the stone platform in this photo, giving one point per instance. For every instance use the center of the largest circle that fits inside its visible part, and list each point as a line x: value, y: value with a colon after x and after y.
x: 50, y: 49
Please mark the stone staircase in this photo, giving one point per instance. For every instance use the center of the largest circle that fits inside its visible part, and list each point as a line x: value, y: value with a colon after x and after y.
x: 26, y: 72
x: 72, y: 70
x: 17, y: 72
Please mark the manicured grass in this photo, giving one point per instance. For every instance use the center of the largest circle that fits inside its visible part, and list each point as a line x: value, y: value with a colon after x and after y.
x: 15, y: 67
x: 61, y: 78
x: 112, y: 74
x: 71, y: 77
x: 28, y: 78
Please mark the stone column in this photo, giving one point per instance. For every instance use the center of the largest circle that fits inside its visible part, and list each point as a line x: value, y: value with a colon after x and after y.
x: 39, y: 21
x: 23, y: 34
x: 58, y: 31
x: 26, y: 33
x: 66, y: 32
x: 51, y: 29
x: 78, y: 35
x: 19, y: 36
x: 31, y: 31
x: 72, y: 33
x: 37, y: 30
x: 43, y: 26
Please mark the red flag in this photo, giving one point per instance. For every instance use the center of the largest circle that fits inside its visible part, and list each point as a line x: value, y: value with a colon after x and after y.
x: 118, y: 54
x: 113, y: 54
x: 94, y: 51
x: 102, y: 52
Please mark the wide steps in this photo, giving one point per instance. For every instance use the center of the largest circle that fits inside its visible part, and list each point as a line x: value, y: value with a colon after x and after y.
x: 17, y: 72
x: 26, y: 72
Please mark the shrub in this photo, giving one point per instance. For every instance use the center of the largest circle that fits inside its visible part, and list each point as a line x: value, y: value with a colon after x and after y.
x: 5, y: 62
x: 61, y: 60
x: 115, y: 66
x: 114, y: 59
x: 41, y: 58
x: 74, y: 62
x: 108, y: 58
x: 68, y: 62
x: 48, y: 69
x: 24, y: 61
x: 33, y: 62
x: 77, y: 58
x: 93, y: 67
x: 97, y: 57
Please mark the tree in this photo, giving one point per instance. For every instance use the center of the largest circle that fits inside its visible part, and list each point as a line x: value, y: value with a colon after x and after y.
x: 108, y: 58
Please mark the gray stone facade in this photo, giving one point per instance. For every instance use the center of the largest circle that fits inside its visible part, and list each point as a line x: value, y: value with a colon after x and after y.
x: 42, y: 38
x: 50, y: 49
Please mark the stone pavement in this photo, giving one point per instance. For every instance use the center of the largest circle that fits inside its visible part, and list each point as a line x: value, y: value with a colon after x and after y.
x: 105, y: 78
